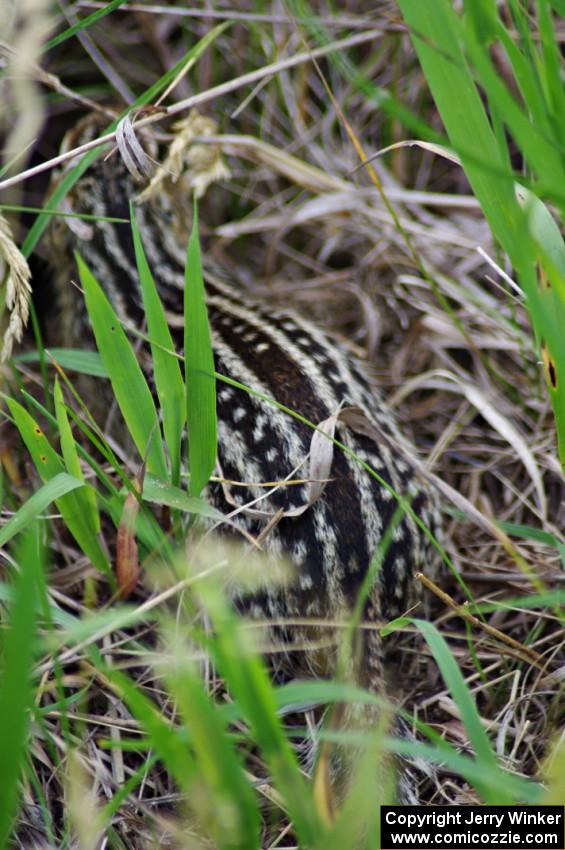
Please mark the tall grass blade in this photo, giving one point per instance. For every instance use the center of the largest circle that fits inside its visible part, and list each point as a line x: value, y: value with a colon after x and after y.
x: 494, y: 786
x: 130, y: 387
x: 444, y: 42
x: 37, y: 503
x: 248, y: 681
x: 164, y: 739
x: 156, y: 491
x: 16, y: 694
x: 462, y: 696
x: 50, y: 464
x: 166, y: 368
x: 72, y: 463
x: 199, y: 371
x: 550, y: 68
x: 86, y: 22
x: 70, y: 359
x: 227, y: 789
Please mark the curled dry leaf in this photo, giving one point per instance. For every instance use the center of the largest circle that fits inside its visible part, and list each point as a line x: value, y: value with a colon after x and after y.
x: 127, y: 555
x: 137, y: 162
x: 437, y: 150
x: 319, y: 459
x: 15, y: 275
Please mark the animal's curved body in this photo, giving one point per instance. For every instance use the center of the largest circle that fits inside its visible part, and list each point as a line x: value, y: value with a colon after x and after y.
x: 290, y: 359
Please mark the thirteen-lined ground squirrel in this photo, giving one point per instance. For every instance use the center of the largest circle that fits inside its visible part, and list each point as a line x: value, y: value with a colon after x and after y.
x: 289, y: 359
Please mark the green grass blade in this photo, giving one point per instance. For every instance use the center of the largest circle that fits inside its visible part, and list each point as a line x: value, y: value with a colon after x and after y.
x: 161, y: 493
x: 500, y: 788
x: 16, y: 696
x: 461, y: 694
x: 537, y: 135
x: 551, y: 68
x: 439, y: 37
x: 96, y: 439
x: 86, y: 22
x: 248, y: 681
x: 527, y: 82
x: 130, y: 387
x: 70, y: 456
x: 166, y: 367
x: 148, y: 528
x: 434, y: 29
x: 25, y: 208
x: 128, y: 788
x: 73, y: 630
x: 49, y: 464
x: 541, y: 152
x: 212, y: 778
x: 199, y: 371
x: 546, y: 303
x: 149, y: 531
x: 62, y: 189
x: 226, y: 787
x: 528, y: 532
x: 174, y: 753
x: 550, y: 599
x: 70, y: 359
x: 58, y: 486
x: 157, y: 491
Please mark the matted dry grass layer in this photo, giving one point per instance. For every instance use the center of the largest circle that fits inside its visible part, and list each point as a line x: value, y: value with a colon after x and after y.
x: 451, y: 350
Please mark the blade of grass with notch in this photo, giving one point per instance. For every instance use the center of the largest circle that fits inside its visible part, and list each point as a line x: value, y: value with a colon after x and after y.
x: 49, y: 464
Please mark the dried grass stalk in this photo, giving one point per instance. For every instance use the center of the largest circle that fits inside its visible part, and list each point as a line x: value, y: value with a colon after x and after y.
x: 15, y: 275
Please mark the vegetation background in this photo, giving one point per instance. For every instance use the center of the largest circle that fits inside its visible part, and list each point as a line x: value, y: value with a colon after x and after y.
x: 398, y: 176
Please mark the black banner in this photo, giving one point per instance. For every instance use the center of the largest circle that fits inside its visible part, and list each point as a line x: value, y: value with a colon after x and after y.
x: 472, y: 827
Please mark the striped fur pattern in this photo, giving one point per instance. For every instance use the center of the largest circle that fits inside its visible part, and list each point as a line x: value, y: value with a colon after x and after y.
x: 288, y: 358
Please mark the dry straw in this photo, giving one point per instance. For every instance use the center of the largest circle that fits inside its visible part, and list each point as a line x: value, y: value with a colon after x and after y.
x: 15, y: 276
